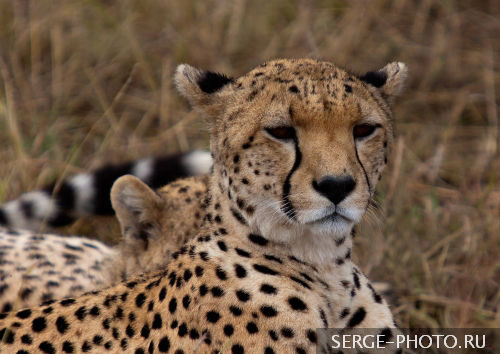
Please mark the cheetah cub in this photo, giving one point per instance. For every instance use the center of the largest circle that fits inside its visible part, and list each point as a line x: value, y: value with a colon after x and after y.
x: 298, y: 148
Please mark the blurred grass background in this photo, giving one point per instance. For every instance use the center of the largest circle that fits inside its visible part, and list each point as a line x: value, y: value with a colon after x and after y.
x: 83, y: 83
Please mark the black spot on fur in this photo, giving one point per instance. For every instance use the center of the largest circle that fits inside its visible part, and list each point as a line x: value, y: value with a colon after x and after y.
x: 131, y: 284
x: 26, y: 339
x: 193, y: 334
x: 95, y: 311
x: 268, y: 289
x: 287, y: 332
x: 264, y: 269
x: 229, y: 330
x: 240, y: 271
x: 301, y: 282
x: 145, y: 331
x: 157, y: 321
x: 24, y: 313
x: 257, y: 239
x: 182, y: 330
x: 356, y: 280
x: 217, y: 291
x: 376, y: 297
x: 198, y: 271
x: 129, y: 331
x: 67, y: 302
x: 374, y: 78
x: 273, y: 258
x: 323, y: 318
x: 357, y: 317
x: 297, y: 304
x: 81, y: 313
x: 268, y: 311
x: 46, y: 347
x: 164, y: 345
x: 344, y: 313
x: 211, y: 82
x: 235, y: 310
x: 86, y: 347
x: 311, y: 335
x: 213, y: 316
x: 242, y: 253
x: 242, y: 295
x: 68, y: 347
x: 163, y: 293
x: 61, y: 324
x: 186, y: 300
x: 140, y: 299
x: 39, y: 324
x: 238, y: 216
x: 293, y: 89
x: 203, y: 290
x: 222, y: 246
x: 237, y: 349
x: 172, y: 305
x: 221, y: 274
x: 97, y: 339
x: 252, y: 328
x: 204, y: 256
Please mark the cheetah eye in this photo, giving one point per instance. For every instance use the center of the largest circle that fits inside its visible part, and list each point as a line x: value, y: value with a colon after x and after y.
x: 282, y: 133
x: 361, y: 131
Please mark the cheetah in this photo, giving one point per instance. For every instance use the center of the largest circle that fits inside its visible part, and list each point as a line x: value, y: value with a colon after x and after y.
x: 298, y: 147
x: 36, y: 267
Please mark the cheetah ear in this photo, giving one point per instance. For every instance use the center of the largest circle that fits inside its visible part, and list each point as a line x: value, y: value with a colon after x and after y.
x: 206, y: 91
x: 138, y: 209
x: 389, y: 80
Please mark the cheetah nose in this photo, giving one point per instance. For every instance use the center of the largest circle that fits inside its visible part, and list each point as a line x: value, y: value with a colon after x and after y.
x: 335, y: 188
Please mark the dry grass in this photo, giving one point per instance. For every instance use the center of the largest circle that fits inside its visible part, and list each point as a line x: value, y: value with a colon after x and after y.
x: 88, y: 82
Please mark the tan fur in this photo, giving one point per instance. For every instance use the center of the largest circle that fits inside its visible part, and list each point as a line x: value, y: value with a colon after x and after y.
x: 154, y: 225
x: 256, y: 277
x: 160, y: 217
x: 39, y: 267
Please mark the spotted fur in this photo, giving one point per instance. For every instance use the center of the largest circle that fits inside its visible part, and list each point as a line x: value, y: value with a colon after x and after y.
x: 36, y: 267
x: 271, y: 260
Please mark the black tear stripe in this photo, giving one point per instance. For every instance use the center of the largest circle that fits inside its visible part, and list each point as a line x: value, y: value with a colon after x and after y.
x: 287, y: 205
x: 364, y: 171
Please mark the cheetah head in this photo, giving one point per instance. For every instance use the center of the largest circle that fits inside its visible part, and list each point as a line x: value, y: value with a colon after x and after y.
x: 298, y: 145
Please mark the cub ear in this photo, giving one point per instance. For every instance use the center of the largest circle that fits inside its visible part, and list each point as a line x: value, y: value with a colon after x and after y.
x: 389, y: 80
x: 206, y: 91
x: 138, y: 209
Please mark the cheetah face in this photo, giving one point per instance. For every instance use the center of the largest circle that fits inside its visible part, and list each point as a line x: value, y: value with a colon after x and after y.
x: 298, y: 145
